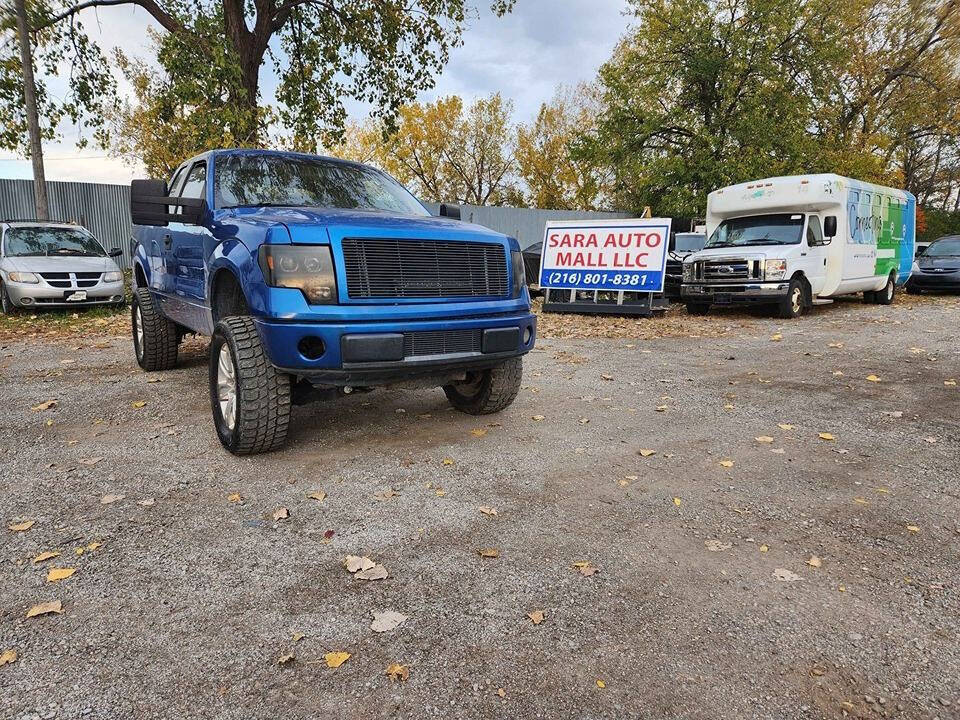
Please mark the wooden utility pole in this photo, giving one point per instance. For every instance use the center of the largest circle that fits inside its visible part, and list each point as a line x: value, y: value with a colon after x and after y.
x: 30, y: 105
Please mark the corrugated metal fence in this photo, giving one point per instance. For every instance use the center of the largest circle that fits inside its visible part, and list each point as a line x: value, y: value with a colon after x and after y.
x: 105, y: 211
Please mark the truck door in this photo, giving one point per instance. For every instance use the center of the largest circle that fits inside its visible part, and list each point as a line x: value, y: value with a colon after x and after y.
x: 185, y: 250
x: 153, y: 240
x: 816, y: 254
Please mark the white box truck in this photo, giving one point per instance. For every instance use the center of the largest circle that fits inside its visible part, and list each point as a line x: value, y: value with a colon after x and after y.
x: 792, y: 242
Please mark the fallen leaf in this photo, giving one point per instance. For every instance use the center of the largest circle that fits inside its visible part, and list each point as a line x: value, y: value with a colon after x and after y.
x: 716, y: 545
x: 57, y: 574
x: 398, y: 672
x: 448, y: 461
x: 489, y: 553
x: 538, y: 418
x: 764, y: 439
x: 8, y: 656
x: 726, y: 463
x: 784, y: 575
x: 814, y: 561
x: 778, y: 451
x: 385, y: 494
x: 137, y: 404
x: 46, y: 405
x: 440, y: 492
x: 235, y: 498
x: 387, y: 620
x: 355, y: 563
x: 486, y: 510
x: 607, y: 377
x: 45, y: 556
x: 93, y: 546
x: 377, y: 572
x: 873, y: 378
x: 319, y: 496
x: 785, y: 426
x: 147, y: 502
x: 950, y: 383
x: 601, y: 684
x: 54, y: 606
x: 827, y: 436
x: 108, y: 499
x: 931, y: 440
x: 585, y: 568
x: 644, y: 452
x: 662, y: 408
x: 677, y: 501
x: 861, y: 501
x: 22, y: 526
x: 728, y: 406
x: 90, y: 461
x: 327, y: 535
x: 885, y: 491
x: 764, y: 548
x: 297, y: 637
x: 478, y: 432
x: 286, y: 659
x: 835, y: 344
x: 536, y: 617
x: 281, y: 513
x: 776, y: 337
x: 501, y: 692
x: 913, y: 528
x: 336, y: 659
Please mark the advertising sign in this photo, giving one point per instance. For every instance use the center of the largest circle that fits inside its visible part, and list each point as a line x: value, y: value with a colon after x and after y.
x: 628, y: 255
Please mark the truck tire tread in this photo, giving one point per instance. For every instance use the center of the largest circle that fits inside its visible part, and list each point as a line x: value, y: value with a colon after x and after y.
x: 160, y: 340
x: 498, y: 388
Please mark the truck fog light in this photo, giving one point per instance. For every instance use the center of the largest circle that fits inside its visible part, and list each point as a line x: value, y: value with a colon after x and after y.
x: 527, y: 335
x: 311, y: 347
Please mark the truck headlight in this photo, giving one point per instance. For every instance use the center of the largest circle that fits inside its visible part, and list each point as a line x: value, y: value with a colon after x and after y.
x: 519, y: 272
x: 688, y: 272
x: 113, y: 276
x: 308, y: 268
x: 24, y: 277
x: 774, y: 269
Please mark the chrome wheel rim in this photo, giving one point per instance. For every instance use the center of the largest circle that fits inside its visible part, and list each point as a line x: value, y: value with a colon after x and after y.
x: 795, y: 300
x: 138, y: 329
x: 227, y: 387
x: 889, y: 290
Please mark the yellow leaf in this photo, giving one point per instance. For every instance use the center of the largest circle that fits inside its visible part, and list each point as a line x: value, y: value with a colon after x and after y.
x: 44, y: 405
x: 501, y: 692
x: 281, y: 513
x: 861, y: 501
x: 22, y: 527
x: 842, y: 588
x: 814, y: 561
x: 776, y: 337
x: 873, y: 378
x: 57, y: 574
x: 8, y: 656
x: 536, y: 617
x: 585, y: 568
x: 827, y: 436
x: 726, y: 463
x: 297, y: 637
x: 662, y: 408
x: 448, y: 461
x: 320, y: 495
x: 137, y: 404
x: 764, y: 548
x: 45, y: 556
x: 677, y: 501
x: 45, y: 608
x: 785, y: 426
x: 764, y: 439
x: 286, y: 659
x: 395, y: 671
x: 489, y: 553
x: 913, y: 528
x: 440, y: 492
x: 478, y: 432
x: 235, y: 498
x: 601, y: 684
x: 538, y: 418
x: 336, y: 659
x: 885, y: 491
x: 728, y: 406
x: 644, y: 452
x: 950, y: 383
x: 486, y: 510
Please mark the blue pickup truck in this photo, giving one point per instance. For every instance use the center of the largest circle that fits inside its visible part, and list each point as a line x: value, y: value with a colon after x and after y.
x: 316, y: 277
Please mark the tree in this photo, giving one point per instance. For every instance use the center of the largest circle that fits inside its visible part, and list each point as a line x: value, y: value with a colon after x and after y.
x: 443, y: 151
x: 554, y: 178
x: 323, y: 52
x: 30, y: 110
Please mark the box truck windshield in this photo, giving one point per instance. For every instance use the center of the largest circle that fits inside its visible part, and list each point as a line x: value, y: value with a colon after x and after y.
x: 782, y: 229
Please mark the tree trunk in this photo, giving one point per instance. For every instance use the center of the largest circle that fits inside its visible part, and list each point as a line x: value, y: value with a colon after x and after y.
x: 30, y: 107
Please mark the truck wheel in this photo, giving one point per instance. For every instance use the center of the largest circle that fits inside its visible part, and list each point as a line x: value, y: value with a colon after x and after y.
x: 869, y: 296
x: 487, y: 391
x: 793, y: 304
x: 249, y: 398
x: 887, y: 294
x: 154, y: 336
x: 6, y: 304
x: 698, y: 308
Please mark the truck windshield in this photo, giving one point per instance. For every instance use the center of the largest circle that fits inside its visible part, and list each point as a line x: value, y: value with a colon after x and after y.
x: 783, y: 229
x: 50, y: 241
x: 284, y: 181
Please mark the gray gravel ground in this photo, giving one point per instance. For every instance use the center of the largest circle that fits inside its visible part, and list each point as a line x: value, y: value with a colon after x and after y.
x: 185, y: 609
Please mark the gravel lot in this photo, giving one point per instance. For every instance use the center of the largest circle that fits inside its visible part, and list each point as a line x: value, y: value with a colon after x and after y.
x: 188, y: 604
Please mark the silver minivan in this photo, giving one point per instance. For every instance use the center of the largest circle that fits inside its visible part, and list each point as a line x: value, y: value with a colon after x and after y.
x: 53, y: 264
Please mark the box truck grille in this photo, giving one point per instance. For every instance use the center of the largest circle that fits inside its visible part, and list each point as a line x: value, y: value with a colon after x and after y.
x: 727, y: 270
x: 393, y: 268
x: 441, y: 342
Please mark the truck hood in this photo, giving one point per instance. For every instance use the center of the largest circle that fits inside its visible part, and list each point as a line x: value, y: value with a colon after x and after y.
x: 41, y: 263
x: 748, y: 252
x: 321, y: 225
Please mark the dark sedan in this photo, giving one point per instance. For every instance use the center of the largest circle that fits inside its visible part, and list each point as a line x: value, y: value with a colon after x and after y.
x: 937, y: 269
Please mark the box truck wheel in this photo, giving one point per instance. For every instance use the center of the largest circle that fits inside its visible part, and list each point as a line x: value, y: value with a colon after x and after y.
x: 794, y: 303
x: 886, y: 295
x: 698, y: 308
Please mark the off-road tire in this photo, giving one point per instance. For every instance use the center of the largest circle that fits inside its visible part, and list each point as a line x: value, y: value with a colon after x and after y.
x: 698, y: 308
x: 487, y: 391
x: 6, y: 304
x: 886, y: 295
x: 793, y: 305
x: 158, y: 348
x: 262, y: 414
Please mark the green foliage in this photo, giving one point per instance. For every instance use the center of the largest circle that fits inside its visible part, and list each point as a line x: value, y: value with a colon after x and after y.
x: 939, y: 223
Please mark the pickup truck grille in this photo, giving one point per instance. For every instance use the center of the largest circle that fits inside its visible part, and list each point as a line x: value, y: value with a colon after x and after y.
x: 441, y: 342
x: 394, y: 268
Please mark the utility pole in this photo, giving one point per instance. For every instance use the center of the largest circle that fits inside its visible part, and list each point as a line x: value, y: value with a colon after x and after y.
x: 30, y: 105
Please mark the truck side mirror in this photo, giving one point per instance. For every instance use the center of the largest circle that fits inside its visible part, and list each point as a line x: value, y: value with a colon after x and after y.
x: 830, y: 226
x: 450, y: 211
x: 149, y: 201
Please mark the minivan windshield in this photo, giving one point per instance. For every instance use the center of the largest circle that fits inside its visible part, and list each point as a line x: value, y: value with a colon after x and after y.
x: 688, y: 242
x: 24, y: 241
x: 785, y: 229
x: 302, y: 181
x: 945, y: 247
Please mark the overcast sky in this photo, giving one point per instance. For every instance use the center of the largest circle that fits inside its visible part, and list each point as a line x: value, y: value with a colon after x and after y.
x: 524, y: 56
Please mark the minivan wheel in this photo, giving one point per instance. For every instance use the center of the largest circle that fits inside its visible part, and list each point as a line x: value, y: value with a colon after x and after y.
x: 887, y: 294
x: 154, y: 336
x: 6, y: 304
x: 794, y: 303
x: 249, y: 397
x: 487, y: 391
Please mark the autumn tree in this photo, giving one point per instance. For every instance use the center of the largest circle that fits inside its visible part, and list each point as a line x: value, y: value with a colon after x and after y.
x: 552, y: 176
x: 443, y: 150
x: 323, y: 53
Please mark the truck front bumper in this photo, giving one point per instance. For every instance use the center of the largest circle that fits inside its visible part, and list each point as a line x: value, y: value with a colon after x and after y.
x: 733, y: 294
x: 382, y: 352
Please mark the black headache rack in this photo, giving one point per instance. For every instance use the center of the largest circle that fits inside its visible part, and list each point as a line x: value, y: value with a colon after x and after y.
x: 604, y: 302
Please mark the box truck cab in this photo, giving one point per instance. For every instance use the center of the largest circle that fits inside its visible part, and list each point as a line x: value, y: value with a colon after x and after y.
x: 792, y: 242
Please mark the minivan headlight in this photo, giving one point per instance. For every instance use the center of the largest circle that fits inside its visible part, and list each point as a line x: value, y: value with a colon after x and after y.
x: 113, y: 276
x: 24, y: 277
x: 308, y: 268
x: 775, y: 269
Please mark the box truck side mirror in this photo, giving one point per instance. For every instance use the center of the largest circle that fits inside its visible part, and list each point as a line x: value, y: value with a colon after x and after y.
x: 830, y: 226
